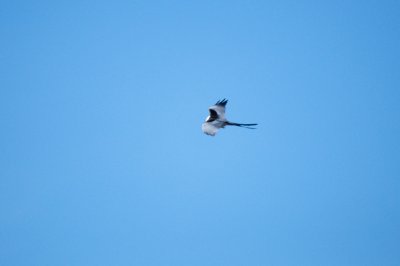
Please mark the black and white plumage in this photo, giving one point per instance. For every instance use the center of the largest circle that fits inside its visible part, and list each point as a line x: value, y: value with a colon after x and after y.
x: 217, y: 120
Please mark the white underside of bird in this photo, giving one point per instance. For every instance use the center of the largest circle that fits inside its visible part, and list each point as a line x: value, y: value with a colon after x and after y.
x: 211, y: 128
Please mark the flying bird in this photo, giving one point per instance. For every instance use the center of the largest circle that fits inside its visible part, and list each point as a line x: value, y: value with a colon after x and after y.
x: 217, y: 120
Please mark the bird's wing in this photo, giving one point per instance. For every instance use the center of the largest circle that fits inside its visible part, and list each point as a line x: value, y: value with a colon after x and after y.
x: 213, y: 115
x: 218, y: 110
x: 209, y: 129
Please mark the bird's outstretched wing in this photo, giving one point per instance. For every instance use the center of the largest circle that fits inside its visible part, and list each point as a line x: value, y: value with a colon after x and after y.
x: 217, y: 111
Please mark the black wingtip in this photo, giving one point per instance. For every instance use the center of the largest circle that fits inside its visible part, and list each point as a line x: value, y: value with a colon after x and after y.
x: 222, y: 102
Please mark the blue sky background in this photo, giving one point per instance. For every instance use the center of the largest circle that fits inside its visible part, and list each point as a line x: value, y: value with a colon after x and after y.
x: 103, y: 161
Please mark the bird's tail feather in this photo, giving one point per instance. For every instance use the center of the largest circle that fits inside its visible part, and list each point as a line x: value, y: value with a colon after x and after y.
x: 249, y: 126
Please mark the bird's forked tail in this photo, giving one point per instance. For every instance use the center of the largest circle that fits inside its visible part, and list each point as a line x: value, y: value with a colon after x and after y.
x: 249, y: 126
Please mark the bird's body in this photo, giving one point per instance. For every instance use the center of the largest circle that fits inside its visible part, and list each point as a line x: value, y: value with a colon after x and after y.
x: 217, y: 120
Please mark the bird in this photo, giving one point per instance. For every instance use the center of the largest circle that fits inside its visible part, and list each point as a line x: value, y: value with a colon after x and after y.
x: 217, y: 120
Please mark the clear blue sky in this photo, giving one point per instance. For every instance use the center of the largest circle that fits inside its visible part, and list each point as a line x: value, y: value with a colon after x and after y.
x: 103, y: 161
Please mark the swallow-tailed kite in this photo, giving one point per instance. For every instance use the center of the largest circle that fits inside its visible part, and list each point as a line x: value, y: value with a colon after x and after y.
x: 217, y: 120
